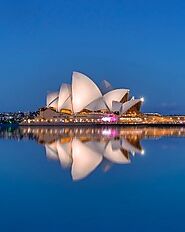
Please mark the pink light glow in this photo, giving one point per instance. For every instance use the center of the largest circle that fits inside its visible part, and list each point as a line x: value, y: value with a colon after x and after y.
x: 110, y: 132
x: 106, y: 119
x: 111, y: 118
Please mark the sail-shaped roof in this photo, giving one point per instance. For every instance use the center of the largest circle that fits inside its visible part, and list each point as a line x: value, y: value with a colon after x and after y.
x: 114, y: 95
x: 84, y: 91
x: 97, y: 104
x: 64, y: 96
x: 116, y: 106
x: 67, y: 104
x: 52, y: 100
x: 106, y: 87
x: 85, y: 94
x: 129, y: 104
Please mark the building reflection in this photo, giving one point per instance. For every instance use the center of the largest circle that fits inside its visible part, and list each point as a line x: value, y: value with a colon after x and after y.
x: 83, y: 149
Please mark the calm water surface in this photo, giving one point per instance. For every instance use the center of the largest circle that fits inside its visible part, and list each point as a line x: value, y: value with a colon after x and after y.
x: 92, y: 179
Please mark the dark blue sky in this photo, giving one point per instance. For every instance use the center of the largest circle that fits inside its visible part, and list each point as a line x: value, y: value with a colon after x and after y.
x: 133, y: 44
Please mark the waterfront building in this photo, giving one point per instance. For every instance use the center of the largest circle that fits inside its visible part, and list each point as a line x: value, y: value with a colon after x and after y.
x: 84, y: 96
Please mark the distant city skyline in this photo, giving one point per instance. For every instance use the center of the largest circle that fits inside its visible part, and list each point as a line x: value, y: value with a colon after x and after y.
x: 136, y: 45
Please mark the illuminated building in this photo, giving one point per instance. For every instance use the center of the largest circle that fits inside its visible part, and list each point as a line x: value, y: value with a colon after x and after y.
x: 83, y: 102
x: 83, y: 95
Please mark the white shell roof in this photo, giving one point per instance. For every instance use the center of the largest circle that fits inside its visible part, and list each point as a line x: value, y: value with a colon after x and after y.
x: 64, y: 95
x: 106, y: 86
x: 114, y: 95
x: 85, y: 94
x: 67, y: 104
x: 84, y: 91
x: 116, y: 106
x: 96, y: 105
x: 129, y: 104
x: 52, y: 100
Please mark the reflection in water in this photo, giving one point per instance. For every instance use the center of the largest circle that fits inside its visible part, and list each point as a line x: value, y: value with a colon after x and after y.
x: 83, y: 149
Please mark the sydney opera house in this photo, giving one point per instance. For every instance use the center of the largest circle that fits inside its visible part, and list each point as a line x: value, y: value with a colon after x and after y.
x: 84, y: 95
x: 84, y: 101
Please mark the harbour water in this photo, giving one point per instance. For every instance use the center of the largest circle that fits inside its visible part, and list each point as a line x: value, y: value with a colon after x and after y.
x: 92, y: 179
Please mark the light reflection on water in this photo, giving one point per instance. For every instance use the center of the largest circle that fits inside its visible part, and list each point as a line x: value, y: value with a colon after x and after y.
x: 117, y: 186
x: 83, y: 149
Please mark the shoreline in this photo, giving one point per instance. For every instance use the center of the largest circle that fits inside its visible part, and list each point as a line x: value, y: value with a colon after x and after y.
x: 103, y: 124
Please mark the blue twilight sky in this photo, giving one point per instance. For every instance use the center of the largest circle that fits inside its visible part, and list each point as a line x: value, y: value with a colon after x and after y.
x: 134, y: 44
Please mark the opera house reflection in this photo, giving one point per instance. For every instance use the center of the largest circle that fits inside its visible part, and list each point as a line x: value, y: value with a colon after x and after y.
x: 83, y: 149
